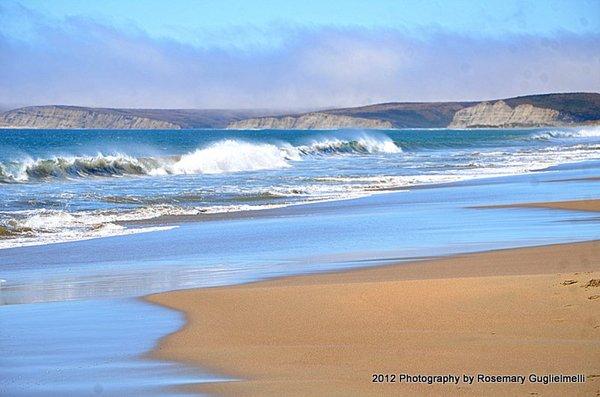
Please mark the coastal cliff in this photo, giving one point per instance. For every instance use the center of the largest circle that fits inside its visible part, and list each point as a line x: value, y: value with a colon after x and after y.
x: 75, y: 118
x: 78, y: 117
x: 499, y: 115
x: 309, y: 121
x: 564, y: 109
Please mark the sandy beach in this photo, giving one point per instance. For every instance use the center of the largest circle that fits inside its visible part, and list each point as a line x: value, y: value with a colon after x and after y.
x: 506, y: 312
x: 299, y: 198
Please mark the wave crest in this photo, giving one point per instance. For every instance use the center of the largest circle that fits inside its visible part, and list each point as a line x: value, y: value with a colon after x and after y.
x: 362, y: 144
x: 228, y: 156
x: 74, y: 167
x: 590, y: 132
x: 225, y: 156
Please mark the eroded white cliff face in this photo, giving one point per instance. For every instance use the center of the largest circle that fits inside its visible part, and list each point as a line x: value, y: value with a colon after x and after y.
x: 565, y: 109
x: 71, y: 118
x: 309, y: 121
x: 499, y: 114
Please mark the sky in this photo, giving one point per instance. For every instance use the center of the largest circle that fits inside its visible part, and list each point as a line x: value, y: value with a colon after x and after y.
x: 292, y: 54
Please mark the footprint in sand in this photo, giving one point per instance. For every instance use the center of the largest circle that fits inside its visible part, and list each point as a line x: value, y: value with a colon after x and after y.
x: 595, y: 282
x: 569, y: 282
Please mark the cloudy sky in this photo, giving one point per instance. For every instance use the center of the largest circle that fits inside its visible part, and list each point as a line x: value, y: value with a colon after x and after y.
x: 292, y: 54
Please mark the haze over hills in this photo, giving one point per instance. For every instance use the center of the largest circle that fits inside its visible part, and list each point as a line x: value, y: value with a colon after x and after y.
x: 563, y: 109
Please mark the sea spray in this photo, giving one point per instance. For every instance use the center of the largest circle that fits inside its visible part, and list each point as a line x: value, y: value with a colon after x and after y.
x: 351, y: 143
x: 230, y: 156
x: 224, y: 156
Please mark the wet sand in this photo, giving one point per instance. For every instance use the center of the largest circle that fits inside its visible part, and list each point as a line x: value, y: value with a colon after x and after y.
x: 575, y: 205
x: 586, y: 179
x: 592, y: 205
x: 505, y: 312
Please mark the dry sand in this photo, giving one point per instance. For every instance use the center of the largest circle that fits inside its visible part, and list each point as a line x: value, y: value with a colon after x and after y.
x: 517, y: 311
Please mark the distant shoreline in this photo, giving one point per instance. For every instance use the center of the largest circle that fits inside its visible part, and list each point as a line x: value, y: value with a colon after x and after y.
x: 551, y: 110
x: 569, y: 126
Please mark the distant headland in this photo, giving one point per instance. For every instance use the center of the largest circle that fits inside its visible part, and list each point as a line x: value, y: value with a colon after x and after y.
x: 560, y: 110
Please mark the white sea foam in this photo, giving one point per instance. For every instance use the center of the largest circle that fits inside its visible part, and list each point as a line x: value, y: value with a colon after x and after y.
x: 43, y: 226
x: 229, y: 156
x: 587, y: 132
x: 356, y: 143
x: 106, y: 231
x: 225, y: 156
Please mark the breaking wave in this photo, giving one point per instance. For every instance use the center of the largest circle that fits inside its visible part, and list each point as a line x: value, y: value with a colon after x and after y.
x: 71, y: 167
x: 225, y: 156
x: 365, y: 144
x: 590, y: 132
x: 45, y: 226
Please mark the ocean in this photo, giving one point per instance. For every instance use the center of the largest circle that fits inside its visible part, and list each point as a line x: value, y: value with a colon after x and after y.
x: 64, y: 185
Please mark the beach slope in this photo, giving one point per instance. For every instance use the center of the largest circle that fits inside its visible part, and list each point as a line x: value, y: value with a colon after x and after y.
x: 506, y: 312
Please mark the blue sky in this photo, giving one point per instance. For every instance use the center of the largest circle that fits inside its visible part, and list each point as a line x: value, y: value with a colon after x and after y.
x: 185, y: 19
x: 261, y: 53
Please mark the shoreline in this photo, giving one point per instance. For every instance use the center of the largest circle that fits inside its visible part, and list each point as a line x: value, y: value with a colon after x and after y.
x: 496, y: 312
x: 301, y: 207
x: 589, y: 205
x: 169, y: 221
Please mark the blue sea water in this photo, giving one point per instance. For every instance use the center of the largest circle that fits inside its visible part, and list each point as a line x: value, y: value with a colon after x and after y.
x: 91, y: 348
x: 71, y: 185
x: 92, y: 219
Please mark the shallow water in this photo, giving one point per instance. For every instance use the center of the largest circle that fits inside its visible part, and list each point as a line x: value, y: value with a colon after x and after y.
x: 89, y: 347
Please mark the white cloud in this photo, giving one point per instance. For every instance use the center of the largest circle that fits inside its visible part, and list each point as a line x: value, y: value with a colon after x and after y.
x: 86, y: 63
